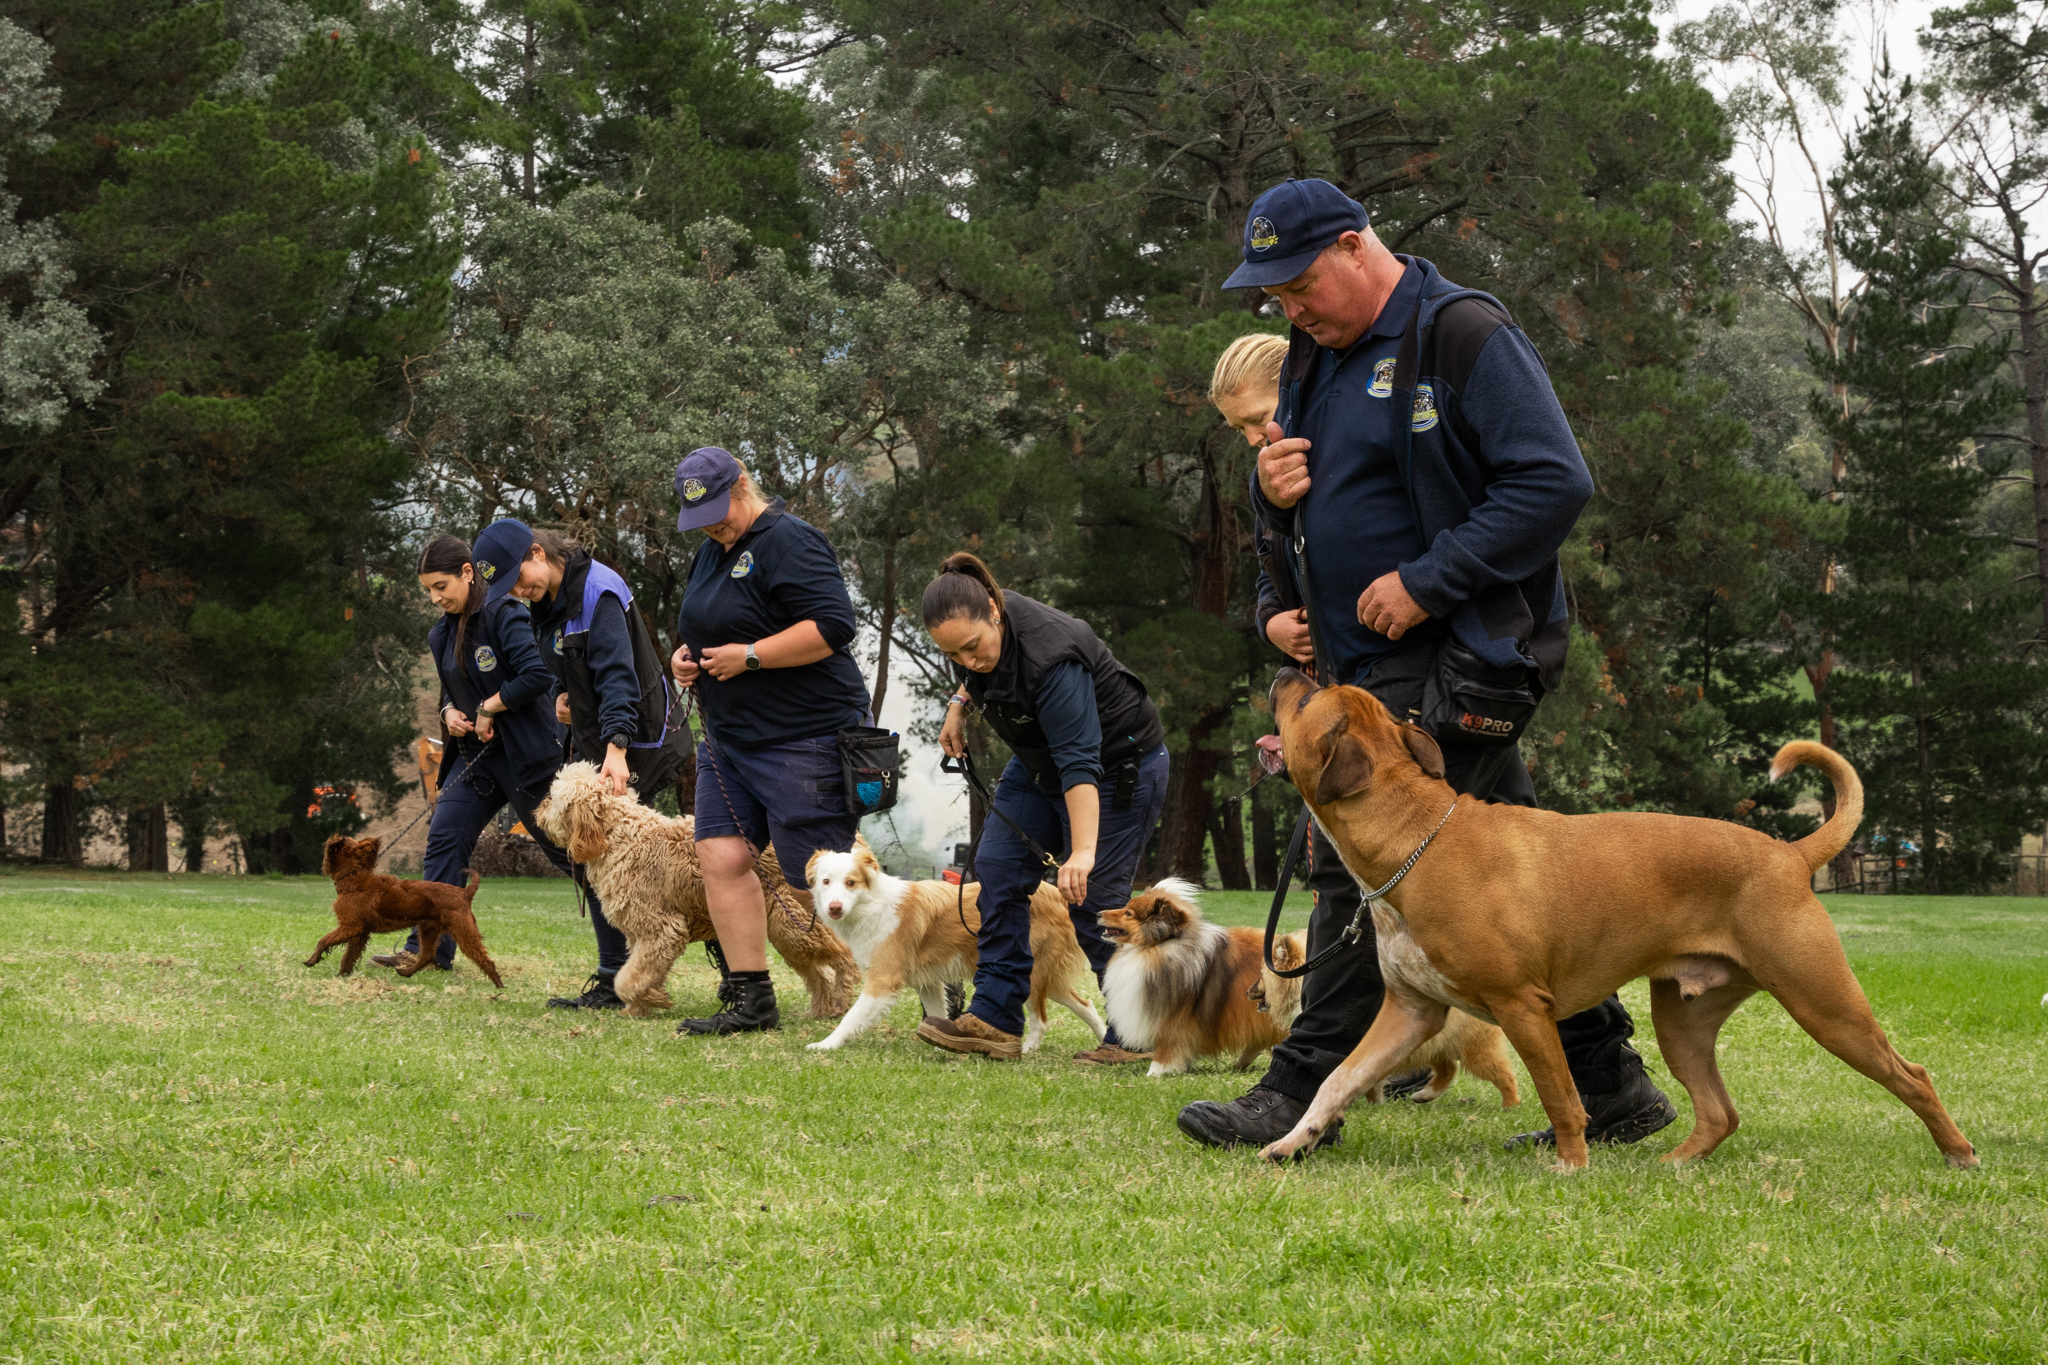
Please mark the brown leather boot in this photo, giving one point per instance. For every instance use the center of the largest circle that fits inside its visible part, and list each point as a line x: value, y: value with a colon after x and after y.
x: 970, y: 1033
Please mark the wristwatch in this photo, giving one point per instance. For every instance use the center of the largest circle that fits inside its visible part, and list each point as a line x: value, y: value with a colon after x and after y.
x: 753, y: 659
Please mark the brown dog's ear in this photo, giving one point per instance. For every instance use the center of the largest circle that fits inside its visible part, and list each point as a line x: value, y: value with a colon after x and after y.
x: 1347, y: 767
x: 1424, y: 748
x: 587, y: 842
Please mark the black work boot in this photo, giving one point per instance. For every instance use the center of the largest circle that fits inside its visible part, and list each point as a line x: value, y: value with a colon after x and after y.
x: 751, y: 1009
x: 728, y: 990
x: 597, y: 995
x: 1407, y: 1083
x: 1255, y: 1118
x: 1628, y: 1114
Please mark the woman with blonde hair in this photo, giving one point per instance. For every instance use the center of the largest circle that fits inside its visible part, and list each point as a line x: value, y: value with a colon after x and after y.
x: 1245, y: 387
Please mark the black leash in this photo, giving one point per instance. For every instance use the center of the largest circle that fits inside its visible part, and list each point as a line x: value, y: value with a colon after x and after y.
x: 461, y: 776
x: 964, y: 765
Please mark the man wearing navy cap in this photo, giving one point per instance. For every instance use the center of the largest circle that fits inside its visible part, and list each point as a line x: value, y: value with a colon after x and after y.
x: 1429, y: 500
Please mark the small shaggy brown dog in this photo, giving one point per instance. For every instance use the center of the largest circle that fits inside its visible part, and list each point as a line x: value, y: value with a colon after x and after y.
x: 643, y: 866
x: 367, y: 902
x: 1177, y: 985
x: 1479, y: 1045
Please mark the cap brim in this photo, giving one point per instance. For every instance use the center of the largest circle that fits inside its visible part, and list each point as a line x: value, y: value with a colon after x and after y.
x: 1261, y: 274
x: 707, y: 513
x: 498, y: 589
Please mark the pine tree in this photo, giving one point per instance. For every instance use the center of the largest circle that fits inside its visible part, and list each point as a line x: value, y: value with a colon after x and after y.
x: 1940, y: 710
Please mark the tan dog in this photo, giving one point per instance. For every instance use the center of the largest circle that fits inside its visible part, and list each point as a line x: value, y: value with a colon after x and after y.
x: 368, y: 902
x: 1524, y: 917
x: 909, y: 934
x: 1179, y: 986
x: 643, y: 866
x: 1480, y: 1046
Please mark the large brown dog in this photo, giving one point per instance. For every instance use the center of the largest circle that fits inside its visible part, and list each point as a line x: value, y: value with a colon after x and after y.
x: 643, y: 866
x: 367, y: 902
x: 1480, y: 1046
x: 1524, y: 917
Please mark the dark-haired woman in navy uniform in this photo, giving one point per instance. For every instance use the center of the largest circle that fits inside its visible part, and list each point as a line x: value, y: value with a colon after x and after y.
x: 500, y: 742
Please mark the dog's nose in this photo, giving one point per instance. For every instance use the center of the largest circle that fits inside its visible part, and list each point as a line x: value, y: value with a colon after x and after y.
x: 1285, y: 683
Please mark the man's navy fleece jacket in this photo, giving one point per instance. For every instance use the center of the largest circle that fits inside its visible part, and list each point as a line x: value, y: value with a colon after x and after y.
x: 1493, y: 477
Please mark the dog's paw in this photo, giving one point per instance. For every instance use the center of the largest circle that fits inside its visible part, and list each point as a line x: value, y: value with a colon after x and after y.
x: 1293, y: 1147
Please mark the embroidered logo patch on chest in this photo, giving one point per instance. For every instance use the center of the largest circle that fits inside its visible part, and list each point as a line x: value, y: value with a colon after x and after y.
x: 1382, y: 383
x: 485, y: 660
x: 745, y: 565
x: 558, y: 640
x: 1424, y: 416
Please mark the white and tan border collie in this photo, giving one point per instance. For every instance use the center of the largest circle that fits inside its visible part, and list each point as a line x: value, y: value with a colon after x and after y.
x: 1482, y: 1047
x: 1177, y: 985
x: 909, y: 934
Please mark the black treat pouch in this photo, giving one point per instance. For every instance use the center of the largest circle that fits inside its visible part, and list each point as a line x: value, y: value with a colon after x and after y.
x: 1466, y: 700
x: 872, y: 765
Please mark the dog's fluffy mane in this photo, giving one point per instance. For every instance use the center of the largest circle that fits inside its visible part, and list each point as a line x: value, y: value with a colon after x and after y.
x: 1148, y: 975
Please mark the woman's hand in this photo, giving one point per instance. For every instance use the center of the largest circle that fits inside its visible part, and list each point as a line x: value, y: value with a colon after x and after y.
x: 457, y: 723
x: 683, y: 667
x: 1290, y: 635
x: 953, y: 734
x: 485, y: 725
x: 725, y: 662
x: 614, y: 770
x: 1074, y: 875
x: 562, y: 708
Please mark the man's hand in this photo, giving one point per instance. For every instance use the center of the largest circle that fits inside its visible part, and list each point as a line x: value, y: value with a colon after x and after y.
x: 614, y: 770
x: 1386, y: 607
x: 1283, y: 468
x: 683, y: 666
x: 1290, y: 635
x: 457, y: 723
x: 1074, y: 875
x: 562, y: 708
x: 725, y: 662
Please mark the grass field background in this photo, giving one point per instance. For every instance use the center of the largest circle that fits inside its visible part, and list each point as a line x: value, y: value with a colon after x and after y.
x: 208, y: 1151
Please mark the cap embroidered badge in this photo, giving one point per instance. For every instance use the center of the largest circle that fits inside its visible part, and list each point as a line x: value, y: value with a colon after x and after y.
x: 1262, y: 236
x: 497, y: 554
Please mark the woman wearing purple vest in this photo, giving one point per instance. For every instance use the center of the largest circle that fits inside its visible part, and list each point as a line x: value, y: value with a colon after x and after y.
x: 613, y: 692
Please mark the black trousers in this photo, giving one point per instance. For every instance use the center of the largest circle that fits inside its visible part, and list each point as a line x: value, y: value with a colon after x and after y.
x: 1341, y: 998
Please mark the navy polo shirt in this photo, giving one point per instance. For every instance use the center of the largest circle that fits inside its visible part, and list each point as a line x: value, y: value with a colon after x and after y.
x: 1358, y: 504
x: 780, y: 572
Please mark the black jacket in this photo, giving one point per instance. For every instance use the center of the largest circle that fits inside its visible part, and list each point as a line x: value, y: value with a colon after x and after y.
x: 1035, y: 638
x: 617, y: 682
x: 502, y: 657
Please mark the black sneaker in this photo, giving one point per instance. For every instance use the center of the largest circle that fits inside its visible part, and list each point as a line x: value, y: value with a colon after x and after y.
x: 750, y: 1008
x: 1255, y: 1118
x: 597, y: 995
x: 1629, y: 1114
x: 1407, y: 1083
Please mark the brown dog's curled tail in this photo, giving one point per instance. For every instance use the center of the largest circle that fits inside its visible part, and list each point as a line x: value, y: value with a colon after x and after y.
x: 469, y: 892
x: 1831, y: 838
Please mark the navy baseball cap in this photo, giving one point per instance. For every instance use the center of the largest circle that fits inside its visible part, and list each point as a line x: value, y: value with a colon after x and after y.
x: 497, y: 554
x: 1288, y: 228
x: 704, y: 481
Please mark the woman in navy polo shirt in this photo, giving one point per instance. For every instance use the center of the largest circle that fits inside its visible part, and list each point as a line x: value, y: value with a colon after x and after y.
x: 612, y: 692
x: 1089, y: 776
x: 499, y: 741
x: 765, y: 623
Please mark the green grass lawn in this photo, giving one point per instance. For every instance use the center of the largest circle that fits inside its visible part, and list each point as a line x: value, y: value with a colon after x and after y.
x: 208, y: 1151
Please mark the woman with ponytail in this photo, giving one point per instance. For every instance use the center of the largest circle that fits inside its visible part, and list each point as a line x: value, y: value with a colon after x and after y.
x: 499, y: 740
x: 1088, y: 777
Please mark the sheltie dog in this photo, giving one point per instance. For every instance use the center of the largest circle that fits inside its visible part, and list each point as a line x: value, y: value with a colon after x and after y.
x: 1178, y: 985
x: 910, y: 934
x: 1478, y: 1044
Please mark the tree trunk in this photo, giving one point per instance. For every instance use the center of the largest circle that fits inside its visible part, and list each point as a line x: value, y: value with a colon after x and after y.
x: 532, y: 51
x: 1930, y: 868
x: 1226, y: 836
x: 1265, y: 847
x: 887, y: 610
x: 192, y: 834
x: 2034, y: 391
x: 149, y: 844
x: 61, y: 843
x: 284, y: 855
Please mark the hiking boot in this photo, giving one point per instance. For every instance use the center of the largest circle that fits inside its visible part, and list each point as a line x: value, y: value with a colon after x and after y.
x: 597, y: 995
x: 1629, y: 1114
x: 391, y: 959
x: 971, y: 1033
x: 1407, y: 1083
x: 728, y: 989
x: 1255, y: 1118
x: 956, y: 999
x: 750, y: 1008
x: 1111, y: 1054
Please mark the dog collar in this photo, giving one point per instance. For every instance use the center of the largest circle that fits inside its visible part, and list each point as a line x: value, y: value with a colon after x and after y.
x: 1395, y: 880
